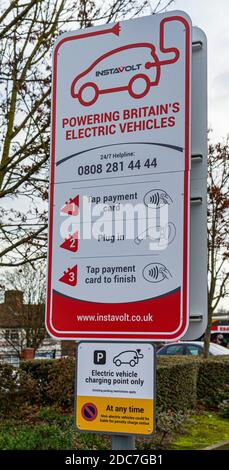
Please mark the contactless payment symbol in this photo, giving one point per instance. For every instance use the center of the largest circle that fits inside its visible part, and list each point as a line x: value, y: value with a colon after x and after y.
x: 89, y: 411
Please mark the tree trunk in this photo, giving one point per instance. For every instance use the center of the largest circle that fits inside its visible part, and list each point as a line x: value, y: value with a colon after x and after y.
x: 207, y: 335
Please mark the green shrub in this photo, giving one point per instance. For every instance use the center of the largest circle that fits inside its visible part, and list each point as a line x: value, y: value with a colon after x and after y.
x: 17, y: 389
x: 89, y: 441
x: 181, y: 382
x: 39, y: 370
x: 60, y: 387
x: 213, y: 375
x: 223, y: 406
x: 55, y: 380
x: 40, y: 437
x: 176, y: 384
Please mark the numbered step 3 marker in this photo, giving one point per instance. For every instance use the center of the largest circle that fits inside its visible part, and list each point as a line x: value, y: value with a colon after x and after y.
x: 70, y: 276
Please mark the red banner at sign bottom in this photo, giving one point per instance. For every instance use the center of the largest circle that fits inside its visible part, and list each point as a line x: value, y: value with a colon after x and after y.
x: 148, y: 318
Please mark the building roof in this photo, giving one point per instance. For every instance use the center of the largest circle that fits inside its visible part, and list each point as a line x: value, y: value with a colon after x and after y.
x: 14, y: 313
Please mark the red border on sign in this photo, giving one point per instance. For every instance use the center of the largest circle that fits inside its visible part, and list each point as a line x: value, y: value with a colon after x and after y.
x: 144, y: 335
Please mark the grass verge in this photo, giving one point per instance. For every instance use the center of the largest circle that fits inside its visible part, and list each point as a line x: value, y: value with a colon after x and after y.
x: 202, y: 431
x: 47, y: 429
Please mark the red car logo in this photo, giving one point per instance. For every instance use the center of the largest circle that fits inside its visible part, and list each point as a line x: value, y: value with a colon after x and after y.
x: 152, y: 65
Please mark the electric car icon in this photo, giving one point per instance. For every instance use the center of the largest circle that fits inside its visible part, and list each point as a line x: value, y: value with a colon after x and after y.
x: 128, y: 357
x: 109, y: 69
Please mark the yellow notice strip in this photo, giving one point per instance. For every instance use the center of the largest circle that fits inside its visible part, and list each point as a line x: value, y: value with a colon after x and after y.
x: 120, y: 415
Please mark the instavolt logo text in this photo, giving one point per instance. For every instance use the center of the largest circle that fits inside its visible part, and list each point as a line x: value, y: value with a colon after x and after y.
x: 121, y: 69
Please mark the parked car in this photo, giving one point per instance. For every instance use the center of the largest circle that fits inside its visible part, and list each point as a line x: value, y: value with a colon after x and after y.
x: 45, y: 355
x: 221, y: 338
x: 191, y: 348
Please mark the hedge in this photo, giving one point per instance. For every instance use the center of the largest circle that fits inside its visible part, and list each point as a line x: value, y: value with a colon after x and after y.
x: 55, y: 380
x: 176, y: 385
x: 181, y: 383
x: 213, y: 375
x: 16, y: 388
x: 176, y: 382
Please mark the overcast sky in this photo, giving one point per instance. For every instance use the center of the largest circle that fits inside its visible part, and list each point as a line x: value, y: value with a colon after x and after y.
x: 213, y: 17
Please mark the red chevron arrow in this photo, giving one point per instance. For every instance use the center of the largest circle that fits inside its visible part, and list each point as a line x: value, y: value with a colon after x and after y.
x: 70, y: 276
x: 71, y: 243
x: 72, y: 206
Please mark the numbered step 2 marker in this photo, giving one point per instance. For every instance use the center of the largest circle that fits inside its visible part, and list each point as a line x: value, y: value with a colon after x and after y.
x: 70, y: 276
x: 71, y: 243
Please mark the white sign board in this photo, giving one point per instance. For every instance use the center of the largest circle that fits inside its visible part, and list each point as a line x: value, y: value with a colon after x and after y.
x: 115, y: 388
x: 120, y: 144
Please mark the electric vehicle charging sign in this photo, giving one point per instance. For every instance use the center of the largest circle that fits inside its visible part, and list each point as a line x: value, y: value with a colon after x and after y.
x: 120, y: 143
x: 115, y: 388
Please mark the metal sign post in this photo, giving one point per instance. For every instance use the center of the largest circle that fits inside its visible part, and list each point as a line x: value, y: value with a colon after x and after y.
x: 198, y: 177
x: 123, y: 443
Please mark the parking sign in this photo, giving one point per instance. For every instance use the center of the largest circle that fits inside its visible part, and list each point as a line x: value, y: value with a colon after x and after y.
x: 116, y: 394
